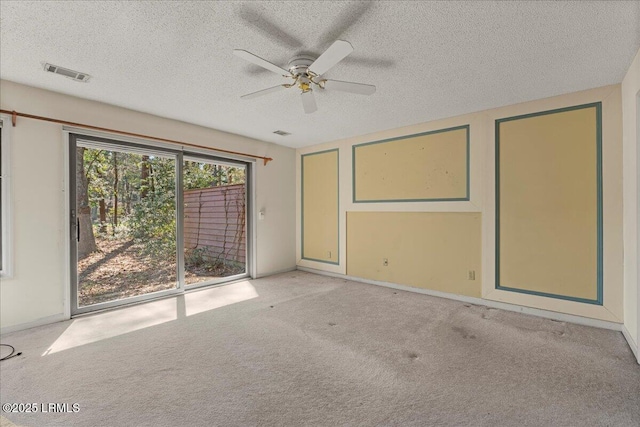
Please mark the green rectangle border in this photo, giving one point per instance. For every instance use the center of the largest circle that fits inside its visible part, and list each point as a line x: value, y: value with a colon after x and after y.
x: 453, y: 199
x: 302, y: 205
x: 599, y: 298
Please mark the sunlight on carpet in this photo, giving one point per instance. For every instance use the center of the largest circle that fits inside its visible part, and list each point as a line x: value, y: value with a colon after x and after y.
x: 109, y: 324
x: 198, y: 302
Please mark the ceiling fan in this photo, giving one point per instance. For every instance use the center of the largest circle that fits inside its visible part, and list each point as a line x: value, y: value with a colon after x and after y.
x: 306, y: 74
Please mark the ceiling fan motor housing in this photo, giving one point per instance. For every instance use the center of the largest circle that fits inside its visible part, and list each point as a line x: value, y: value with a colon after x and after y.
x: 299, y: 65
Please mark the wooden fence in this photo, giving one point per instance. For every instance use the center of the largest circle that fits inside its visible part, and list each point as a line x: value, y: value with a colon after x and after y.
x: 214, y: 220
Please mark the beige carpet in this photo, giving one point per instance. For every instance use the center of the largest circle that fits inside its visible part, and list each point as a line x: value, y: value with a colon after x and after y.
x: 300, y: 349
x: 6, y: 423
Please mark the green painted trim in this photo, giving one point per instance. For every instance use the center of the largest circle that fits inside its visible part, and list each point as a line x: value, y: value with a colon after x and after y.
x: 468, y: 197
x: 461, y: 199
x: 545, y: 294
x: 599, y: 225
x: 353, y: 174
x: 600, y: 208
x: 382, y: 141
x: 302, y: 204
x: 547, y: 112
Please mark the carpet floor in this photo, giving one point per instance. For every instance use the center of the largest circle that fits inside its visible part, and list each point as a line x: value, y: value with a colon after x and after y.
x: 299, y: 349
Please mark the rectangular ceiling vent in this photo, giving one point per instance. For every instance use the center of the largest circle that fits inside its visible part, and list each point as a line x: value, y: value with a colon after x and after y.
x: 73, y: 75
x: 281, y: 133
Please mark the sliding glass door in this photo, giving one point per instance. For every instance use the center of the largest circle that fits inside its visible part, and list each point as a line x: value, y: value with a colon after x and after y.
x: 148, y: 222
x: 215, y: 226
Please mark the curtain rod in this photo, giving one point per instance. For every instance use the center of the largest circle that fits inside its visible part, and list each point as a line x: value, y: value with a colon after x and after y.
x: 15, y: 114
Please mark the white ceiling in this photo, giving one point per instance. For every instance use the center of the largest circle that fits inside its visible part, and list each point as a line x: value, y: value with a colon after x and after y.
x: 429, y: 60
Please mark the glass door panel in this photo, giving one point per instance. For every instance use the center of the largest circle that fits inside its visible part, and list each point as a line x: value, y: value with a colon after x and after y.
x: 215, y: 212
x: 125, y: 224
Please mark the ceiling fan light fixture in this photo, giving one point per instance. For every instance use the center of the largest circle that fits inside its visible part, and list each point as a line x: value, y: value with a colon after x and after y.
x: 304, y: 86
x: 307, y: 72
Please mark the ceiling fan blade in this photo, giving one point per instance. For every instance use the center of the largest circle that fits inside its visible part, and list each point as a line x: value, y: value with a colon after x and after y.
x: 248, y: 56
x: 359, y: 88
x: 309, y: 102
x: 350, y: 16
x: 336, y: 53
x: 259, y: 21
x: 263, y: 92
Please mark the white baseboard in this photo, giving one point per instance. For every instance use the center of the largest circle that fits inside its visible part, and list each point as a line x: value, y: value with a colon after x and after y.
x: 562, y: 317
x: 632, y: 343
x: 39, y: 322
x: 272, y: 273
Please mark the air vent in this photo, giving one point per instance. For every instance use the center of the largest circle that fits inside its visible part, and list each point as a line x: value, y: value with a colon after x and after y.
x: 73, y: 75
x: 281, y: 133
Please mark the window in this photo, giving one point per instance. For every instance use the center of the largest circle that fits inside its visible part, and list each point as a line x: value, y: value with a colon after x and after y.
x: 167, y: 219
x: 5, y: 199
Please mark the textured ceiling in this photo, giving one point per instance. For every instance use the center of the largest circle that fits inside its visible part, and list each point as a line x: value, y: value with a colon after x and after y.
x: 429, y: 60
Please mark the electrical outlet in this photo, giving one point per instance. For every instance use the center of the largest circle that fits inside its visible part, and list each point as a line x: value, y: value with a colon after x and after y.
x: 385, y: 262
x: 472, y: 275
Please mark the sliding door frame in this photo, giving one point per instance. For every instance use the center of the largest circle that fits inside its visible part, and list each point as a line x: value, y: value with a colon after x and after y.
x: 75, y: 140
x: 74, y: 137
x: 207, y: 158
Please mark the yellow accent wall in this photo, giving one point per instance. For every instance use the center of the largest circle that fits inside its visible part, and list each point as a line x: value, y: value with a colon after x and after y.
x: 420, y: 167
x: 482, y: 202
x: 430, y: 250
x: 320, y: 206
x: 548, y: 203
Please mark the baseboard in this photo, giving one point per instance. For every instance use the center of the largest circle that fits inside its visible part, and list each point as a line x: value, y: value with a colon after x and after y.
x: 632, y: 343
x: 28, y: 325
x: 272, y: 273
x: 553, y: 315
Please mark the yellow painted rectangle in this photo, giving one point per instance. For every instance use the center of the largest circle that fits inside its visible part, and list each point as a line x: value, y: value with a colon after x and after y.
x: 422, y: 167
x: 430, y: 250
x: 320, y: 233
x: 547, y: 203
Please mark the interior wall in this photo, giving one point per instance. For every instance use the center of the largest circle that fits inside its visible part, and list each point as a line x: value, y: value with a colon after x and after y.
x: 430, y: 250
x: 37, y: 292
x: 631, y: 183
x: 482, y: 198
x: 430, y: 166
x: 548, y: 203
x: 320, y: 231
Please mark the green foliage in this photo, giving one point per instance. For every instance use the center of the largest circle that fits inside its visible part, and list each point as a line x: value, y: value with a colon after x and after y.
x: 144, y: 187
x: 152, y: 223
x: 153, y: 219
x: 201, y: 259
x: 121, y: 232
x: 197, y: 257
x: 205, y: 175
